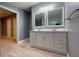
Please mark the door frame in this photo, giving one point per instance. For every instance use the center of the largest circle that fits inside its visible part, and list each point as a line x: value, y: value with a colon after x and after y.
x: 17, y: 21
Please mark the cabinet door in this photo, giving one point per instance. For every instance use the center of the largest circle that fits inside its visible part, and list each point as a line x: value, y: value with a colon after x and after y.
x: 52, y: 39
x: 49, y: 41
x: 40, y: 40
x: 33, y: 38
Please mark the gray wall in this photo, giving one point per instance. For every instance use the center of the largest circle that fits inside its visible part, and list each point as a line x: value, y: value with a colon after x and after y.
x: 36, y: 9
x: 0, y: 28
x: 23, y: 21
x: 26, y: 25
x: 56, y: 5
x: 73, y: 36
x: 72, y: 27
x: 30, y: 23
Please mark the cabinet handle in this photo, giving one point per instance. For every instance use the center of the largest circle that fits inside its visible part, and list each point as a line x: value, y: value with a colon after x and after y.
x: 61, y: 40
x: 44, y: 37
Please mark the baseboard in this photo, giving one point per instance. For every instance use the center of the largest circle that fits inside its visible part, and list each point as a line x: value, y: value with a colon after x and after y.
x: 21, y: 41
x: 68, y: 55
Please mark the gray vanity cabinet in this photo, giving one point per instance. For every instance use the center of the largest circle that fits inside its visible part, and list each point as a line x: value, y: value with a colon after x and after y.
x: 33, y: 38
x: 40, y: 40
x: 51, y: 41
x: 45, y: 40
x: 61, y: 42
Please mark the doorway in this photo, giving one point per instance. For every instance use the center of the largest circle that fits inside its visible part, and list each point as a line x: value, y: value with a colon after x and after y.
x: 7, y: 24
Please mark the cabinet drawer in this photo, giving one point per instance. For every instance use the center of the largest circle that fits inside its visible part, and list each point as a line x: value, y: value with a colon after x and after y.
x: 43, y: 34
x: 61, y: 34
x: 60, y: 39
x: 60, y: 47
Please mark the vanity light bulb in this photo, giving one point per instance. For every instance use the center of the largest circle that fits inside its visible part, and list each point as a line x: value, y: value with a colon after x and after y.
x: 50, y: 7
x: 41, y: 9
x: 46, y: 8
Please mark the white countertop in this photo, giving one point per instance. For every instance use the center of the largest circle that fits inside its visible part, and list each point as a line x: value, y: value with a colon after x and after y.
x: 53, y: 30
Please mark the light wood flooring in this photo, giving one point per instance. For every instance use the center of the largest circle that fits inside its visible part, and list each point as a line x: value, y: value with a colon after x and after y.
x: 9, y: 48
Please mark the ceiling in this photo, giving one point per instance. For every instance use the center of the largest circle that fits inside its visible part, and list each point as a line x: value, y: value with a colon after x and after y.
x: 5, y: 13
x: 23, y: 5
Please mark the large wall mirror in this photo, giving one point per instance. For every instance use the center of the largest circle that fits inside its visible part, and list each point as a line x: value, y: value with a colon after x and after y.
x: 56, y: 18
x: 51, y: 18
x: 39, y: 20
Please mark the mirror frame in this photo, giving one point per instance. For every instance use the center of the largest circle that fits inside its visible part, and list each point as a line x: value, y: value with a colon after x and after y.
x: 44, y: 19
x: 63, y: 21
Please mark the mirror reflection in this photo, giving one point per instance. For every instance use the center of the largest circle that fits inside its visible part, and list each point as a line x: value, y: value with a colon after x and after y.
x: 39, y: 19
x: 55, y: 17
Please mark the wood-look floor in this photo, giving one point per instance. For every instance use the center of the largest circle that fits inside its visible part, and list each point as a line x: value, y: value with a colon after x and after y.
x: 9, y: 48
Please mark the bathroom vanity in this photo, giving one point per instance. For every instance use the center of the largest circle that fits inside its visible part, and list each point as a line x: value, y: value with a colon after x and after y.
x: 49, y: 16
x: 55, y: 41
